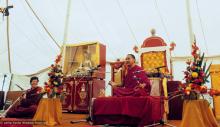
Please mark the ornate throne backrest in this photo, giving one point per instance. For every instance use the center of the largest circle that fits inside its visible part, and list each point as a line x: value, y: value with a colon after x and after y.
x: 154, y: 53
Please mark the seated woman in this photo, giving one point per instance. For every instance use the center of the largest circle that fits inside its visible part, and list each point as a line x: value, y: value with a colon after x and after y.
x: 29, y: 102
x: 135, y: 81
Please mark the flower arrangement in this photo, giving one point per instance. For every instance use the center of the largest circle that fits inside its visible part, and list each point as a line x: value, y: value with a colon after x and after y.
x: 54, y: 87
x: 196, y: 75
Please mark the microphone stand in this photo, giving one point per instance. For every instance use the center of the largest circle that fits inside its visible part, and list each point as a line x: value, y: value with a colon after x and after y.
x: 15, y: 102
x: 19, y: 87
x: 161, y: 122
x: 3, y: 81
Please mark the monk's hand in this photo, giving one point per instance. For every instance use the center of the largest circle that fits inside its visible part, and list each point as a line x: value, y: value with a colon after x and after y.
x: 142, y: 85
x: 24, y: 96
x: 112, y: 83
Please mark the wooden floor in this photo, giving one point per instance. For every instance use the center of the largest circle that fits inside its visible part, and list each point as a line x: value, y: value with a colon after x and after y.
x: 67, y: 118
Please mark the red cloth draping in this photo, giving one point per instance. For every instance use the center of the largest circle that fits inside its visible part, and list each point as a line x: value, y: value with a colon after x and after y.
x: 127, y: 110
x: 176, y: 104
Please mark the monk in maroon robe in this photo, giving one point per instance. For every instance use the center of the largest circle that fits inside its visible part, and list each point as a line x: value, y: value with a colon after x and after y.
x: 135, y: 81
x: 29, y: 102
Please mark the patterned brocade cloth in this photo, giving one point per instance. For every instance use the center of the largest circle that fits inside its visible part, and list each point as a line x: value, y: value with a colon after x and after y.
x: 197, y: 113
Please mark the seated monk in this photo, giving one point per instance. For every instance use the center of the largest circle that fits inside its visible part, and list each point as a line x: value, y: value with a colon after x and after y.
x: 135, y: 81
x: 28, y: 103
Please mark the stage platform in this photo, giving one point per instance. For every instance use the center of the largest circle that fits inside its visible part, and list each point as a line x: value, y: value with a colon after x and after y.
x: 68, y: 117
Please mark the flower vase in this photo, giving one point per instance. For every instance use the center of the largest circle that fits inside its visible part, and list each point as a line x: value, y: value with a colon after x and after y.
x: 192, y: 96
x: 48, y: 95
x: 51, y: 95
x: 57, y: 96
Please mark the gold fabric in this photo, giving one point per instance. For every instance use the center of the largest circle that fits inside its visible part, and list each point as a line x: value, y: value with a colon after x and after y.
x: 197, y: 113
x: 166, y: 105
x: 118, y: 77
x: 152, y: 60
x: 215, y: 79
x: 49, y: 111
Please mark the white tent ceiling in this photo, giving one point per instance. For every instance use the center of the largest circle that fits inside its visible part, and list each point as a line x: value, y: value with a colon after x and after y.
x: 120, y: 24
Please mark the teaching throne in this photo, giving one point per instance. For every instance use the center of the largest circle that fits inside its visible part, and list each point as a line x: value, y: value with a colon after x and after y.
x: 155, y: 56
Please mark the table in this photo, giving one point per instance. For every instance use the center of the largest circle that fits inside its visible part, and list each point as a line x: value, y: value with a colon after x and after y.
x: 50, y: 111
x: 79, y: 92
x: 198, y: 113
x: 126, y: 110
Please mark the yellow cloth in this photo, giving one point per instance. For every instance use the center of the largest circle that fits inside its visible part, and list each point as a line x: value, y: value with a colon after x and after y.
x: 197, y: 113
x: 166, y: 104
x: 50, y: 111
x: 215, y: 78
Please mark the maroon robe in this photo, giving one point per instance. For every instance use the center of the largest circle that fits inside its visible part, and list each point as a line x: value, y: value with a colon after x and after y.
x: 134, y: 77
x: 27, y: 106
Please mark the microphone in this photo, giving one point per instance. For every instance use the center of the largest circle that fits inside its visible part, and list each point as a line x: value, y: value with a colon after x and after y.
x: 118, y: 64
x: 19, y: 87
x: 3, y: 81
x: 139, y: 71
x: 6, y: 10
x: 160, y: 67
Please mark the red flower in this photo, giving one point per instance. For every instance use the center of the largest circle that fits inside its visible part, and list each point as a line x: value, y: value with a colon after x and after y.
x: 182, y: 85
x: 203, y: 89
x: 213, y: 92
x: 188, y: 62
x: 193, y: 68
x: 59, y: 91
x: 186, y: 72
x: 58, y: 59
x: 192, y: 85
x: 202, y: 73
x: 187, y: 92
x: 194, y: 46
x: 197, y: 81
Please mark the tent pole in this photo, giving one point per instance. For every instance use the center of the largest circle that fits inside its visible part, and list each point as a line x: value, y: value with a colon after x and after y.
x: 10, y: 84
x: 65, y: 36
x: 8, y: 41
x: 189, y: 20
